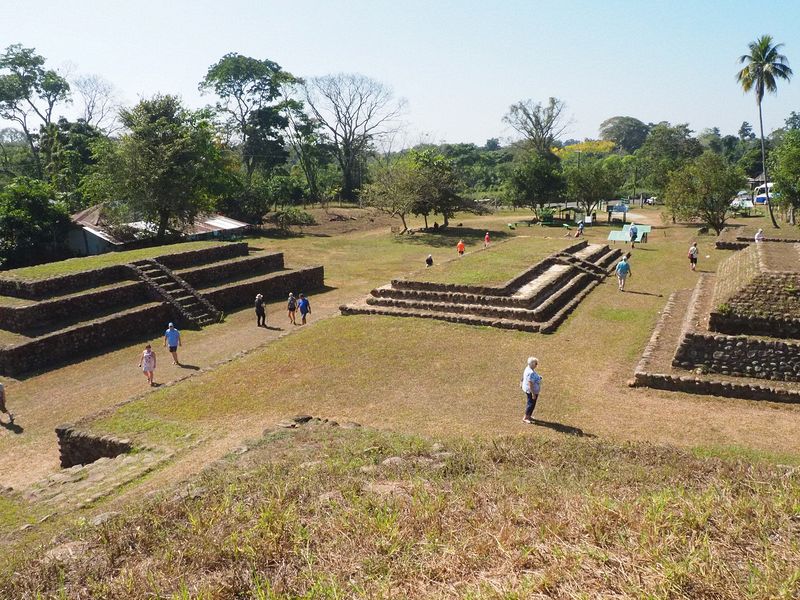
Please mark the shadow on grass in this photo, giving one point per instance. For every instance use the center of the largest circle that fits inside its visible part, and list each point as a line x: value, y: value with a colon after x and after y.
x: 190, y: 367
x: 561, y: 428
x: 13, y: 427
x: 446, y: 237
x: 271, y: 328
x: 644, y: 293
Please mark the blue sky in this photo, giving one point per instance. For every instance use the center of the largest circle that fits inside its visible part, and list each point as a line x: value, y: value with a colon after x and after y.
x: 459, y: 64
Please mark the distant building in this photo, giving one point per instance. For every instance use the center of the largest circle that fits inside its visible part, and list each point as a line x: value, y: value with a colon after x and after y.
x: 92, y: 233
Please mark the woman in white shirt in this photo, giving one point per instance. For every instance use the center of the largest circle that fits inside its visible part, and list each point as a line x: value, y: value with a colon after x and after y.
x: 148, y: 363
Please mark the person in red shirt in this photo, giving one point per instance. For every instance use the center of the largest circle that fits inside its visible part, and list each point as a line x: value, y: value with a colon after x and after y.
x: 460, y: 247
x: 486, y: 240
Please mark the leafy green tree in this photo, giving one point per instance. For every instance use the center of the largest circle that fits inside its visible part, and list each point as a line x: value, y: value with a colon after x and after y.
x: 15, y: 156
x: 394, y: 189
x: 535, y: 181
x: 792, y: 121
x: 593, y: 180
x: 539, y: 124
x: 666, y: 149
x: 628, y: 133
x: 763, y: 66
x: 33, y: 224
x: 746, y: 132
x: 249, y: 90
x: 67, y: 147
x: 165, y: 170
x: 310, y: 149
x: 785, y: 162
x: 702, y: 189
x: 29, y: 92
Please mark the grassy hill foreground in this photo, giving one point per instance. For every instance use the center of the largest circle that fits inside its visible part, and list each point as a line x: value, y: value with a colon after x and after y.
x: 334, y: 512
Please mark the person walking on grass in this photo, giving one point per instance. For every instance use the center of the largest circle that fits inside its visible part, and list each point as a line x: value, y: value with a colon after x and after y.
x: 623, y: 271
x: 305, y: 308
x: 429, y: 261
x: 3, y: 408
x: 460, y: 247
x: 172, y: 339
x: 633, y: 233
x: 261, y: 313
x: 693, y: 252
x: 531, y: 386
x: 759, y: 236
x: 147, y: 363
x: 486, y: 240
x: 291, y: 305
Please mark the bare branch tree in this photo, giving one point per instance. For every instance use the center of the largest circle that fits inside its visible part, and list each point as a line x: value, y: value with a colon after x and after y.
x: 540, y: 124
x: 355, y: 110
x: 100, y: 103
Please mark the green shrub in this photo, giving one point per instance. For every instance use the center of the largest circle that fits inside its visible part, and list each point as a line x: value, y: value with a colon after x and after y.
x: 287, y: 218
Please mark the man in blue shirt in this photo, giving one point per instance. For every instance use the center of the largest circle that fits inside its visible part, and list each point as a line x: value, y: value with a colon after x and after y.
x: 172, y: 339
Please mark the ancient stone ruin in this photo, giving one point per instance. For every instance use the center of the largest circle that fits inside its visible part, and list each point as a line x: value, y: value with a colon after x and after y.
x: 61, y: 318
x: 736, y: 334
x: 539, y: 299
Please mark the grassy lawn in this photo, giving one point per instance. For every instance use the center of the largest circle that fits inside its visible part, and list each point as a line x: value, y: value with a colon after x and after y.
x: 430, y: 377
x: 85, y: 263
x: 498, y: 263
x: 537, y: 508
x: 317, y: 513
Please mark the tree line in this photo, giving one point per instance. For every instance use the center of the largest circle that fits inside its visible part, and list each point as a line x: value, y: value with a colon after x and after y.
x: 269, y: 139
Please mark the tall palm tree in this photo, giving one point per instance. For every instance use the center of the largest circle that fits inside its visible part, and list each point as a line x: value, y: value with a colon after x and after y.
x: 762, y: 68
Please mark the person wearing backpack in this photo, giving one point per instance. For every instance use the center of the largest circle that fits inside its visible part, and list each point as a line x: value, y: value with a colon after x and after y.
x: 292, y: 306
x: 693, y: 252
x: 623, y: 271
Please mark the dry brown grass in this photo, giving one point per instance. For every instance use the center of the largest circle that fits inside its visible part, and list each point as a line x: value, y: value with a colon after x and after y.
x: 316, y: 514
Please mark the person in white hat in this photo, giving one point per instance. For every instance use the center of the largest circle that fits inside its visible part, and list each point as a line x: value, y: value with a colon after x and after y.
x: 531, y: 386
x: 261, y: 313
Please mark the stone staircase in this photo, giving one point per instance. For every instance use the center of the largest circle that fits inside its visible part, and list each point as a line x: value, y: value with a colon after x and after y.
x: 187, y: 301
x: 541, y: 303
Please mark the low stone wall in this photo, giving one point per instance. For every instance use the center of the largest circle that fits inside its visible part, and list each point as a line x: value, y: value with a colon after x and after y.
x: 504, y: 289
x: 194, y: 258
x: 274, y: 286
x: 83, y: 340
x: 727, y: 245
x: 71, y: 309
x: 64, y: 284
x: 739, y: 356
x: 775, y: 327
x: 726, y: 389
x: 37, y: 289
x: 207, y: 275
x: 81, y: 448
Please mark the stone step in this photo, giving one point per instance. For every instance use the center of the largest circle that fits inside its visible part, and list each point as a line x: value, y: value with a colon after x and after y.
x: 492, y: 312
x: 562, y: 296
x: 390, y: 311
x: 389, y: 291
x: 537, y: 290
x: 609, y: 260
x: 591, y: 252
x: 552, y: 324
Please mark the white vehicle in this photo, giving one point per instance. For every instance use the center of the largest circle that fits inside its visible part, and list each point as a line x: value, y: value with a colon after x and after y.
x: 760, y: 193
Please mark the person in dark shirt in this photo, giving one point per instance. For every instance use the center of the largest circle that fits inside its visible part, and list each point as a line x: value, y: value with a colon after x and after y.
x: 261, y: 313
